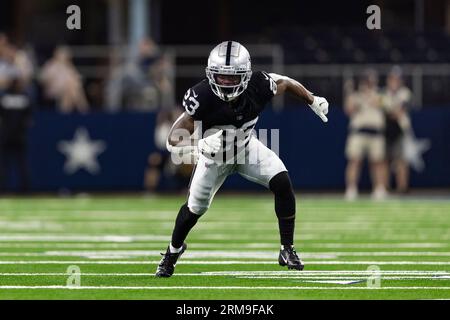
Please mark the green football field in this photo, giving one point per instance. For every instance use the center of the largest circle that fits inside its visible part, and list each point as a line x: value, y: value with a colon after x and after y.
x: 109, y: 247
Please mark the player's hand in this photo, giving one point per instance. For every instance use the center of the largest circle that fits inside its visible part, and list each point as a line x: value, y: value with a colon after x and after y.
x: 211, y: 144
x: 320, y: 107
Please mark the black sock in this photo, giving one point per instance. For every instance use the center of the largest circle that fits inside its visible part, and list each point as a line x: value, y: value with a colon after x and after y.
x: 183, y: 224
x: 287, y: 227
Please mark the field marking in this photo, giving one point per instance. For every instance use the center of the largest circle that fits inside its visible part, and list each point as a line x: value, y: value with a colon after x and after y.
x: 81, y: 237
x: 232, y: 245
x: 230, y: 254
x: 343, y: 278
x: 327, y: 272
x: 241, y: 253
x: 306, y: 226
x: 224, y: 262
x: 192, y: 254
x: 445, y: 263
x: 345, y: 245
x: 279, y: 277
x: 317, y: 236
x: 281, y: 273
x: 219, y: 288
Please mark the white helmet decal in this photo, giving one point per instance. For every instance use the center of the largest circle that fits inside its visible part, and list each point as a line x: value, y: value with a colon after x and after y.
x: 229, y: 58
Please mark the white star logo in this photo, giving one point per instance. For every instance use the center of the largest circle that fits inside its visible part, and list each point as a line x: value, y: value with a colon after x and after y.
x: 81, y: 152
x: 413, y: 149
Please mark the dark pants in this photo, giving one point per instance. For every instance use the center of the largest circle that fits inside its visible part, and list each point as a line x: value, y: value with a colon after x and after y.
x: 14, y: 155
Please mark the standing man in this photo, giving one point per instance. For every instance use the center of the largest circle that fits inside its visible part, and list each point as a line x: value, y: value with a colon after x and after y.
x: 15, y: 119
x: 365, y: 137
x: 395, y: 100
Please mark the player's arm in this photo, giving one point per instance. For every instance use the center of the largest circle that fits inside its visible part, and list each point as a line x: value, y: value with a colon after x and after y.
x: 182, y: 127
x: 287, y: 85
x: 181, y: 141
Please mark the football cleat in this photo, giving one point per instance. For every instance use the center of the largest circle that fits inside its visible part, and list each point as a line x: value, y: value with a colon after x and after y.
x: 288, y: 257
x: 168, y: 262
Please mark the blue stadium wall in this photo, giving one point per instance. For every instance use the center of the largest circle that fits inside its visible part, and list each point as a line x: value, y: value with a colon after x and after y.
x: 312, y: 151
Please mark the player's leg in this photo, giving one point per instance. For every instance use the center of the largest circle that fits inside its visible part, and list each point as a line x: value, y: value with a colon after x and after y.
x: 206, y: 179
x: 267, y: 169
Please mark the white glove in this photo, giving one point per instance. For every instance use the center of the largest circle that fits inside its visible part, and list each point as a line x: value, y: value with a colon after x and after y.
x: 211, y: 144
x: 191, y: 157
x: 185, y: 154
x: 320, y: 107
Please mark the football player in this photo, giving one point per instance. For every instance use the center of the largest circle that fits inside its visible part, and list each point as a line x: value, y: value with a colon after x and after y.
x: 227, y: 104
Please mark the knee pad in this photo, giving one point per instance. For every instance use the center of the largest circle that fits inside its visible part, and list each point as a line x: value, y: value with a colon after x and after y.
x: 198, y: 202
x: 281, y: 187
x: 198, y: 209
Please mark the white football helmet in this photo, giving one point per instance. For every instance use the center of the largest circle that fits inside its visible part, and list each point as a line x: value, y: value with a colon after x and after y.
x: 229, y: 59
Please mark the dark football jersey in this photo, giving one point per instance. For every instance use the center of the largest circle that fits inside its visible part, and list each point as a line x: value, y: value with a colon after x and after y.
x: 202, y: 104
x: 237, y: 118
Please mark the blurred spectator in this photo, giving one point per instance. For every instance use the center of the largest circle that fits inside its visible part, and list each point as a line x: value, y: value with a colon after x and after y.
x: 24, y: 65
x: 141, y: 84
x: 15, y: 119
x: 129, y: 86
x: 8, y: 69
x: 162, y: 76
x: 365, y: 137
x: 159, y: 162
x: 148, y: 53
x: 395, y: 100
x: 158, y: 70
x: 62, y: 83
x: 128, y: 89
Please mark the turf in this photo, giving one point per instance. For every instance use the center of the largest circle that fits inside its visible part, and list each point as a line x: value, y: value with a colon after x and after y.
x: 397, y: 249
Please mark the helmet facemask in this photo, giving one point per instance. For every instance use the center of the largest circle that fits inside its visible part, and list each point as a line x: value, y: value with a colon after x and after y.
x: 228, y: 91
x: 229, y: 70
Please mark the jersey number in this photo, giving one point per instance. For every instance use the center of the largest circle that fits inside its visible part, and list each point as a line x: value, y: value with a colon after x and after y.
x: 190, y: 103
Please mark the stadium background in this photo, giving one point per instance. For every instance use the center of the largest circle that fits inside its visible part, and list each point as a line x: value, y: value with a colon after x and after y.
x: 101, y: 198
x: 321, y: 44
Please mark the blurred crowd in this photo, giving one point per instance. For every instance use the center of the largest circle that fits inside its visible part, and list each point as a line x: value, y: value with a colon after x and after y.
x: 379, y: 130
x: 144, y: 83
x: 141, y: 80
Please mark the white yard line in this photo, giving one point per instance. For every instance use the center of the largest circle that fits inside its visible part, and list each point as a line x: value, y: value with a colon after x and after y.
x: 409, y: 245
x: 265, y: 273
x: 304, y: 277
x: 223, y: 262
x: 230, y: 254
x: 35, y: 224
x: 218, y: 288
x: 430, y: 277
x: 237, y: 253
x: 315, y: 236
x: 317, y: 272
x: 82, y: 237
x: 444, y: 263
x: 281, y: 274
x: 231, y: 245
